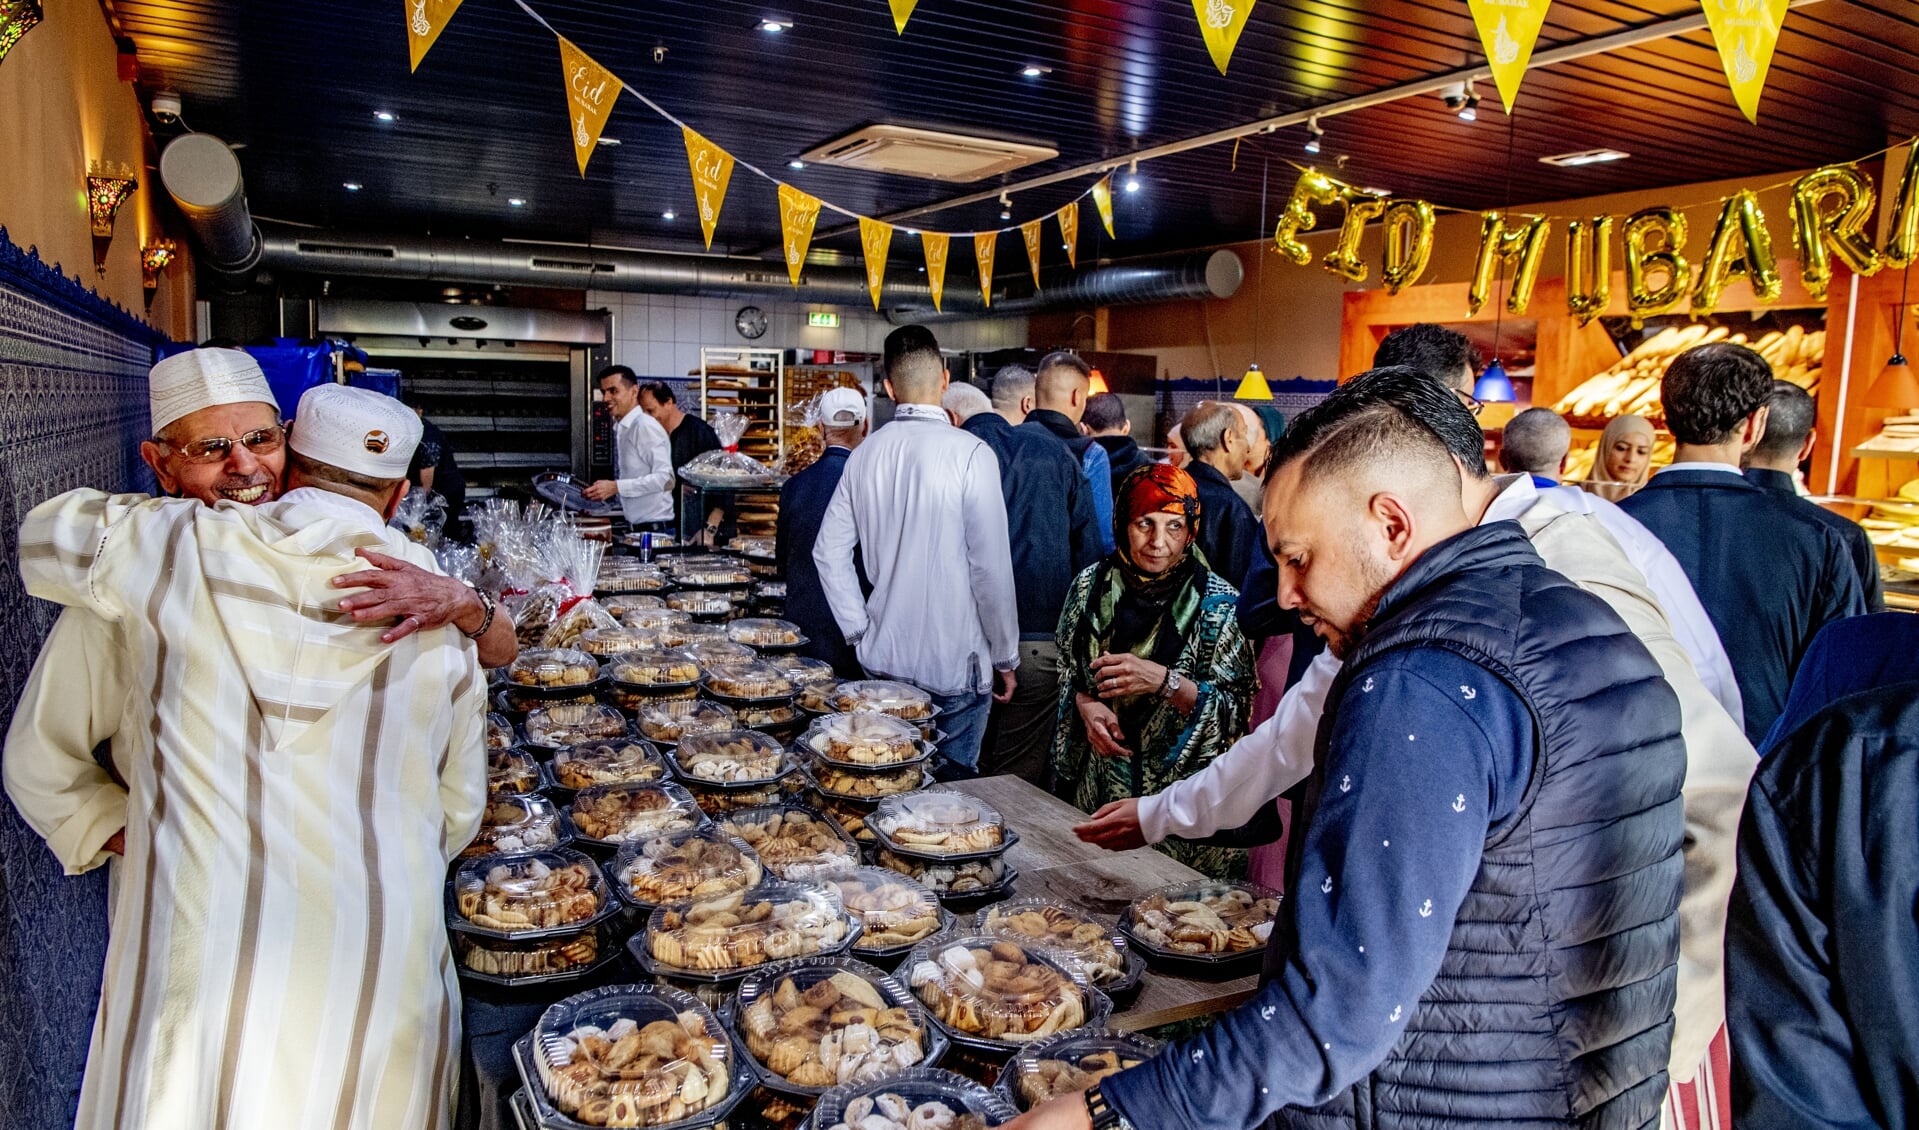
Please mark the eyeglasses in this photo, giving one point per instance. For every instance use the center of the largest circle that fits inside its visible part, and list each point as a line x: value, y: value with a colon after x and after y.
x: 217, y: 449
x: 1473, y: 403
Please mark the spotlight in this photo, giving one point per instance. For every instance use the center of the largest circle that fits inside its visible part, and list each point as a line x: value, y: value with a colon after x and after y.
x: 774, y: 27
x: 352, y: 185
x: 516, y: 201
x: 610, y: 142
x: 1470, y: 111
x: 1132, y: 178
x: 1462, y: 99
x: 1313, y: 134
x: 1034, y: 70
x: 668, y: 215
x: 385, y: 116
x: 796, y: 163
x: 1005, y: 213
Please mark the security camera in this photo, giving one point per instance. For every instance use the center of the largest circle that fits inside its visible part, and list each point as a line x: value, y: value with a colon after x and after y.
x: 659, y: 55
x: 166, y: 107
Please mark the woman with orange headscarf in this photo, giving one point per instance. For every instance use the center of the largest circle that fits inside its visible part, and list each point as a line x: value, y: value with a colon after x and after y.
x: 1156, y: 677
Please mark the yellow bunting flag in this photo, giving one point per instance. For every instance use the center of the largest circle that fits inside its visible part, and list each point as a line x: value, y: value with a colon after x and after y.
x: 1507, y: 30
x: 1220, y: 22
x: 935, y: 244
x: 712, y: 169
x: 1103, y: 202
x: 1069, y: 230
x: 591, y: 91
x: 1030, y: 233
x: 798, y: 213
x: 875, y: 238
x: 985, y: 246
x: 1745, y: 32
x: 425, y: 20
x: 902, y: 11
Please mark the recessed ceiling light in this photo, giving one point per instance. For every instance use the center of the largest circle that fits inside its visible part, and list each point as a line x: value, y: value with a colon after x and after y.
x: 796, y: 163
x: 516, y: 201
x: 1584, y: 157
x: 610, y: 142
x: 385, y: 116
x: 1034, y: 70
x: 352, y: 185
x: 668, y: 215
x: 776, y: 26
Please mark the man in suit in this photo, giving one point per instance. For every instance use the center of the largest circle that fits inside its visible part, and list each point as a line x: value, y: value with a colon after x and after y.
x: 1769, y: 577
x: 842, y: 413
x: 1228, y: 532
x: 1771, y: 464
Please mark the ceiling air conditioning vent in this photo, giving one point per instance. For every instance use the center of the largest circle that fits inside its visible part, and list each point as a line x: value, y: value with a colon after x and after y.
x: 346, y: 250
x: 927, y: 154
x: 577, y: 266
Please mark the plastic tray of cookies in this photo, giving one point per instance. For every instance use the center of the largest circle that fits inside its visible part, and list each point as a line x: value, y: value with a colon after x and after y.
x: 997, y: 994
x: 717, y: 800
x: 677, y: 866
x: 955, y: 881
x: 934, y: 823
x: 531, y: 895
x: 747, y: 680
x: 511, y: 824
x: 849, y: 814
x: 864, y: 741
x: 610, y: 815
x: 780, y: 717
x: 621, y: 606
x: 794, y: 841
x: 605, y: 643
x: 731, y: 759
x: 711, y: 571
x: 511, y: 772
x: 669, y: 722
x: 770, y: 592
x: 725, y: 937
x: 499, y: 732
x: 1070, y: 1062
x: 804, y: 670
x: 896, y: 913
x: 624, y: 761
x: 632, y: 700
x: 916, y: 1099
x: 616, y: 579
x: 573, y: 723
x: 544, y: 672
x: 766, y: 634
x: 868, y: 785
x: 819, y: 1022
x: 715, y: 650
x: 514, y: 703
x: 752, y: 547
x: 702, y: 604
x: 1203, y: 925
x: 631, y: 1055
x: 886, y: 696
x: 536, y: 961
x: 1108, y: 962
x: 653, y: 619
x: 654, y: 669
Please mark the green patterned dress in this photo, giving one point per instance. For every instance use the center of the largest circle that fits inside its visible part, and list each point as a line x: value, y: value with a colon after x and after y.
x: 1171, y: 745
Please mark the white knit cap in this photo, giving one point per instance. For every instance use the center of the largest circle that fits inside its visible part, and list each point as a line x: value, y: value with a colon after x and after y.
x: 356, y: 429
x: 184, y: 383
x: 842, y: 407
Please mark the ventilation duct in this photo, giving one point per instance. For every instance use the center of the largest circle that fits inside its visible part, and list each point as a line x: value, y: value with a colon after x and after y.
x: 1197, y: 274
x: 203, y: 177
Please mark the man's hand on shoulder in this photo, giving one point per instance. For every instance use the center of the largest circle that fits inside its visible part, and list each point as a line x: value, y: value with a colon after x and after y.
x: 417, y: 598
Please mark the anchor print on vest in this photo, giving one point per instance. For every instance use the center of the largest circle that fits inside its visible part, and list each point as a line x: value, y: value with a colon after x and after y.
x: 1327, y: 886
x: 1346, y: 783
x: 1426, y: 909
x: 1459, y: 803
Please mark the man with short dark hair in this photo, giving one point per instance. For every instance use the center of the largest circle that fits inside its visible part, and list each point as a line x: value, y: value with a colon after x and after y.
x: 1215, y: 437
x: 688, y: 438
x: 1535, y: 442
x: 803, y: 502
x: 642, y: 460
x: 1447, y: 356
x: 1773, y: 462
x: 1106, y: 421
x: 1059, y: 396
x: 1014, y: 393
x: 1769, y: 577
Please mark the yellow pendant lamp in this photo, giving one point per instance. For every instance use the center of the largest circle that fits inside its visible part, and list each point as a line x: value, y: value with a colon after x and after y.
x: 1253, y: 385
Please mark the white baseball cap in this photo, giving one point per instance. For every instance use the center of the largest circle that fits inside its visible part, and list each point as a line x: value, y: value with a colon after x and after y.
x: 356, y: 429
x: 184, y: 383
x: 842, y: 407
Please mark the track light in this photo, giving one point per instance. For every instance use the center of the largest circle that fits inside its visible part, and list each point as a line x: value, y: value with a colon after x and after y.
x: 1462, y: 98
x: 1132, y: 178
x: 1313, y: 134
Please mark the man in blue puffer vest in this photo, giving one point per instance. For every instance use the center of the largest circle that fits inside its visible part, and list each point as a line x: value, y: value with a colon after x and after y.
x: 1481, y: 923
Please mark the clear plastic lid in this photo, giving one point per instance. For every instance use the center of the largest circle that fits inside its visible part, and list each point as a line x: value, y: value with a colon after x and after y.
x: 515, y: 702
x: 613, y: 814
x: 654, y: 667
x: 952, y: 878
x: 1096, y: 945
x: 511, y: 771
x: 922, y: 1098
x: 677, y: 866
x: 511, y: 824
x: 653, y: 619
x: 529, y: 895
x: 794, y: 841
x: 763, y: 632
x: 631, y: 579
x: 720, y: 938
x: 633, y: 1055
x: 885, y: 696
x: 670, y: 722
x: 499, y: 731
x: 867, y: 784
x: 715, y: 800
x: 554, y: 669
x: 895, y: 911
x: 711, y: 572
x: 607, y: 642
x: 573, y: 723
x: 819, y: 1022
x: 819, y: 696
x: 1208, y: 920
x: 626, y: 604
x: 864, y: 740
x: 996, y: 992
x: 717, y: 649
x: 763, y: 547
x: 696, y: 630
x: 533, y: 961
x: 748, y: 680
x: 699, y: 602
x: 849, y: 814
x: 607, y: 763
x: 1070, y: 1062
x: 731, y: 757
x: 779, y: 716
x: 770, y: 590
x: 934, y: 822
x: 804, y: 670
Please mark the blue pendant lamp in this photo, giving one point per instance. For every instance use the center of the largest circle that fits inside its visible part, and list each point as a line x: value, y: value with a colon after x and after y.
x: 1494, y: 386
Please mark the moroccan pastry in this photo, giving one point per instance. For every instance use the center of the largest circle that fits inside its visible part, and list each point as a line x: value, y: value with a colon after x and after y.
x: 685, y: 865
x: 867, y: 784
x: 654, y: 620
x: 884, y: 696
x: 754, y: 546
x: 957, y: 877
x: 755, y: 632
x: 922, y: 1098
x: 629, y: 579
x: 818, y: 696
x: 711, y: 572
x: 769, y: 715
x: 734, y: 932
x: 938, y: 823
x: 605, y: 643
x: 804, y: 670
x: 712, y: 651
x: 514, y: 700
x: 511, y: 824
x: 697, y: 603
x: 864, y: 740
x: 543, y: 957
x: 995, y: 989
x: 511, y: 771
x: 1071, y: 1062
x: 607, y: 763
x: 1064, y: 928
x: 1209, y: 918
x: 669, y: 722
x: 553, y: 668
x: 731, y: 757
x: 573, y: 723
x: 849, y: 814
x: 617, y: 813
x: 499, y: 731
x: 519, y: 894
x: 747, y: 679
x: 620, y: 607
x: 895, y: 910
x: 654, y: 667
x: 623, y: 1056
x: 822, y: 1023
x: 794, y: 842
x: 716, y: 800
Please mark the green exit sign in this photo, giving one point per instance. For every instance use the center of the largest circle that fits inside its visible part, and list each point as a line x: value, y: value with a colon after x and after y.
x: 823, y: 320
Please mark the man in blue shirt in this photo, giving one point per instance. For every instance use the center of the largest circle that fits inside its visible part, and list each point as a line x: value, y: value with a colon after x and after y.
x: 1480, y: 925
x: 1060, y: 388
x: 842, y: 422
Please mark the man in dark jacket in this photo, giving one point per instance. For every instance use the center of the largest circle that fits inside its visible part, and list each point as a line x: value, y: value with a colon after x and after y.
x: 1788, y: 442
x: 687, y: 437
x: 1229, y: 535
x: 1480, y: 925
x: 1106, y: 422
x: 1768, y: 576
x: 1822, y: 948
x: 802, y: 504
x: 1059, y: 397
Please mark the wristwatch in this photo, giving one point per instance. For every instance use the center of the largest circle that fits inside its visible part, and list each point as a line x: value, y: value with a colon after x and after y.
x: 1171, y: 686
x: 1104, y: 1115
x: 491, y: 608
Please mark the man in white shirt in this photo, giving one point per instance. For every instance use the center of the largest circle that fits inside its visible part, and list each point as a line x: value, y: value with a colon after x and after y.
x: 642, y: 456
x: 921, y: 501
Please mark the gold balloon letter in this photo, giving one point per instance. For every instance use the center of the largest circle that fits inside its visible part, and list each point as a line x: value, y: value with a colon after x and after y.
x: 1830, y: 208
x: 1739, y: 220
x: 1588, y: 267
x: 1408, y: 227
x: 1902, y: 242
x: 1362, y: 208
x: 1654, y: 239
x: 1311, y: 188
x: 1523, y: 246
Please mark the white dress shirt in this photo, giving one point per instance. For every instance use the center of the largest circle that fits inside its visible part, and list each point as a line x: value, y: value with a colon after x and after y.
x: 1726, y: 468
x: 921, y: 499
x: 643, y: 468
